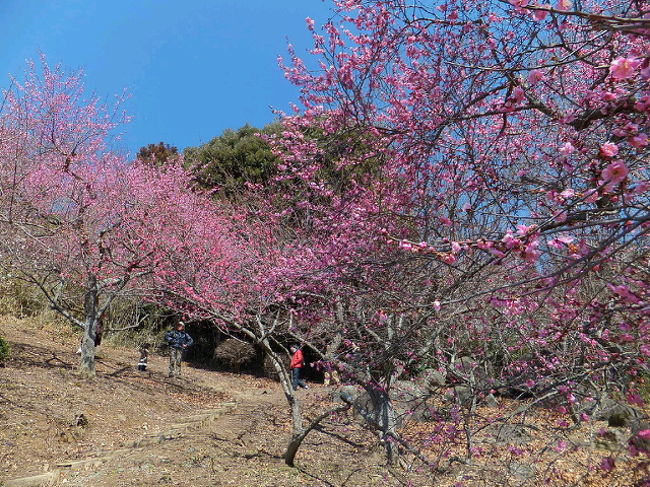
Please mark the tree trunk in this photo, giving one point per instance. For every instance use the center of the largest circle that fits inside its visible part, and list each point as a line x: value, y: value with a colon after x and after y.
x: 87, y: 363
x: 297, y: 432
x: 297, y: 439
x: 386, y: 422
x: 296, y: 409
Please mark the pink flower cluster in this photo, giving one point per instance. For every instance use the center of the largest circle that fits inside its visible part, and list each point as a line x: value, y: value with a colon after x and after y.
x: 624, y: 68
x: 614, y: 174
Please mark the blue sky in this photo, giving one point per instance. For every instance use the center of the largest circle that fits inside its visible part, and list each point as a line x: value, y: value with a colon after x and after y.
x: 192, y: 68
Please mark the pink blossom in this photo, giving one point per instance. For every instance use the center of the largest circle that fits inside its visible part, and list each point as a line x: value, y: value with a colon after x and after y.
x: 627, y: 337
x: 645, y: 350
x: 449, y: 258
x: 635, y: 399
x: 561, y: 216
x: 624, y: 292
x: 623, y: 68
x: 641, y: 188
x: 496, y: 252
x: 510, y: 240
x: 639, y: 141
x: 535, y: 76
x: 616, y: 172
x: 515, y: 450
x: 564, y: 4
x: 455, y: 247
x: 567, y: 148
x: 518, y: 94
x: 608, y: 96
x: 568, y: 193
x: 436, y: 305
x: 519, y: 3
x: 608, y: 149
x: 643, y: 104
x: 310, y: 23
x: 524, y: 229
x: 484, y: 245
x: 560, y: 242
x: 540, y: 14
x: 531, y: 253
x: 644, y: 434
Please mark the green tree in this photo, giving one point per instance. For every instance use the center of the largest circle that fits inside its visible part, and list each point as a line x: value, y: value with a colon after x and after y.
x: 234, y: 158
x: 158, y: 154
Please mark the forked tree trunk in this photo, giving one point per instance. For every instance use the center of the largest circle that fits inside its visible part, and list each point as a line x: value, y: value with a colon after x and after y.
x: 298, y: 437
x: 298, y: 431
x: 294, y: 403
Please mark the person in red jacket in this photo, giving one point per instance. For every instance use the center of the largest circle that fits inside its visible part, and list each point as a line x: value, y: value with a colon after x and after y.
x: 297, y: 363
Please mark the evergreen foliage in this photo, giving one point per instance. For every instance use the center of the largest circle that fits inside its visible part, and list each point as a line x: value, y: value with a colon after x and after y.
x: 234, y: 158
x: 158, y: 154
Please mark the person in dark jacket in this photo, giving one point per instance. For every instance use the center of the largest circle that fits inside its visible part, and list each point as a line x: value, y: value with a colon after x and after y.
x: 297, y: 363
x: 178, y: 340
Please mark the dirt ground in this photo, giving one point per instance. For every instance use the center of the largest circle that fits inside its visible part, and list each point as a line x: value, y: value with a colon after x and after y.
x: 128, y: 428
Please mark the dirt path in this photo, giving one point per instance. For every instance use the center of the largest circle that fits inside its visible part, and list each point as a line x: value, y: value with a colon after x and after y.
x: 80, y: 471
x: 231, y: 444
x: 125, y: 428
x: 209, y: 429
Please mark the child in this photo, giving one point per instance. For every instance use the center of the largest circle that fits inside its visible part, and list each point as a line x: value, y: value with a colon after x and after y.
x: 332, y: 377
x: 144, y: 356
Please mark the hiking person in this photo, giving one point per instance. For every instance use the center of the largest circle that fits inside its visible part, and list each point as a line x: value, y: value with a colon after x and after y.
x: 144, y: 357
x: 178, y: 340
x: 296, y: 365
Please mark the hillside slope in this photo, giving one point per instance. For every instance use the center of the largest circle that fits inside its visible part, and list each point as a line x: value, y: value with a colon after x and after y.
x: 128, y: 428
